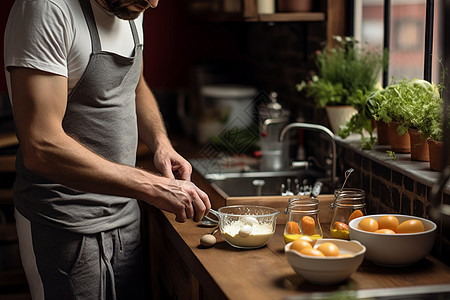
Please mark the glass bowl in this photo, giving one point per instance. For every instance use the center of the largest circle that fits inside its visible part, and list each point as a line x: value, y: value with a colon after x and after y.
x: 247, y: 226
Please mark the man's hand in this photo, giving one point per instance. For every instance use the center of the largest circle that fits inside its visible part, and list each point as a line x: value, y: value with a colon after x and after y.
x: 171, y: 164
x: 183, y: 198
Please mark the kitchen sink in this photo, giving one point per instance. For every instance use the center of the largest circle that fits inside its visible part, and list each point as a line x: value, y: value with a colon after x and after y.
x: 243, y: 180
x: 264, y: 183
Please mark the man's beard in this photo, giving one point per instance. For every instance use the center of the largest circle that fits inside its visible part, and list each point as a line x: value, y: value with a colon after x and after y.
x: 122, y: 11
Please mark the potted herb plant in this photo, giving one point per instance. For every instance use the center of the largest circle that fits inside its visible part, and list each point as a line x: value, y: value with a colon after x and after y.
x: 403, y: 106
x: 424, y: 115
x: 430, y: 126
x: 346, y: 74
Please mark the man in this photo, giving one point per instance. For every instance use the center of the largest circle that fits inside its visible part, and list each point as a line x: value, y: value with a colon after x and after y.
x: 79, y: 97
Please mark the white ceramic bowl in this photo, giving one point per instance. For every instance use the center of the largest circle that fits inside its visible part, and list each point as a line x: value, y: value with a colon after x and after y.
x: 395, y: 249
x: 330, y: 269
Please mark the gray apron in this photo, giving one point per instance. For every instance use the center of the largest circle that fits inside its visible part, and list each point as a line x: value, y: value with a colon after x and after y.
x: 101, y: 115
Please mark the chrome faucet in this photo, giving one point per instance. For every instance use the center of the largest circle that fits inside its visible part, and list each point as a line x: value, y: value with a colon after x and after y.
x: 315, y: 127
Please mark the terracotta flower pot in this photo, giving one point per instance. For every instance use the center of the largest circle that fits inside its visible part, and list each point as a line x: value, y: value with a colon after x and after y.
x: 383, y: 133
x: 294, y: 5
x: 419, y: 146
x: 399, y: 143
x: 436, y: 153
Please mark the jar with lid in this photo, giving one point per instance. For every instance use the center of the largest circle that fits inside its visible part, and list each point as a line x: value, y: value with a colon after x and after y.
x: 350, y: 204
x: 302, y: 220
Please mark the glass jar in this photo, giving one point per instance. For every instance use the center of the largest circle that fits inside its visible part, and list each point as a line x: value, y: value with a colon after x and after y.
x: 350, y: 204
x: 303, y: 220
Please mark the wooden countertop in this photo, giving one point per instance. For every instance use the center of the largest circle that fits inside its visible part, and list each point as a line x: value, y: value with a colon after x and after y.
x: 225, y: 272
x: 265, y: 273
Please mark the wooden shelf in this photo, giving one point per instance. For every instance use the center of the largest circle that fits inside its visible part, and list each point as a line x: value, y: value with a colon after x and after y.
x: 8, y: 139
x: 292, y: 17
x: 277, y: 17
x: 215, y: 11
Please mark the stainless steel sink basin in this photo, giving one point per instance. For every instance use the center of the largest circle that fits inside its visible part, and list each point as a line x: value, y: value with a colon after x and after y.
x: 236, y: 182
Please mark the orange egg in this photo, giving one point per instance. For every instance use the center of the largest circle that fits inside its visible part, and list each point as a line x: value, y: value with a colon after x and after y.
x: 368, y: 224
x: 328, y: 249
x: 346, y: 255
x: 385, y: 231
x: 312, y: 252
x: 410, y: 226
x: 309, y: 240
x: 356, y: 214
x: 340, y: 226
x: 299, y: 245
x: 388, y: 222
x: 293, y: 228
x: 308, y: 225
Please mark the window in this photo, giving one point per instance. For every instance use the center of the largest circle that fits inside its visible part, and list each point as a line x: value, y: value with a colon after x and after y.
x: 407, y: 35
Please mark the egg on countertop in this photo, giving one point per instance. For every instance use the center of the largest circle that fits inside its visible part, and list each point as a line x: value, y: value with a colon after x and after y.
x: 208, y: 240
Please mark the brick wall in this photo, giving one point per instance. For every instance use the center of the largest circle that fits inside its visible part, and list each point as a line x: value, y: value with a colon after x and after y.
x: 391, y: 191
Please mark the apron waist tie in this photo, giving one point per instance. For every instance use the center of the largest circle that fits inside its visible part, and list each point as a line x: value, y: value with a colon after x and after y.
x: 108, y: 288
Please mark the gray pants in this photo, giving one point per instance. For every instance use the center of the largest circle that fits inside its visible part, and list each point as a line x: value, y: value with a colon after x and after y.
x: 65, y: 265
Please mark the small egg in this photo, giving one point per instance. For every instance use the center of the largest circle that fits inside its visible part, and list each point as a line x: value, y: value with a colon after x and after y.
x: 385, y: 231
x: 312, y: 252
x: 346, y: 255
x: 309, y: 240
x: 410, y: 226
x: 388, y: 222
x: 245, y: 231
x: 368, y: 224
x: 208, y: 240
x: 308, y: 225
x: 356, y: 214
x: 299, y: 245
x: 340, y: 226
x: 328, y: 249
x: 292, y: 228
x: 250, y: 220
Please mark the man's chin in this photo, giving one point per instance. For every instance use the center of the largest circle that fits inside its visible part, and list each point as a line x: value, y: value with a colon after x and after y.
x: 154, y: 3
x: 127, y: 14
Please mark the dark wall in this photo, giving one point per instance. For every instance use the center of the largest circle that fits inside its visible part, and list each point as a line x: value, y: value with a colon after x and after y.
x: 272, y: 56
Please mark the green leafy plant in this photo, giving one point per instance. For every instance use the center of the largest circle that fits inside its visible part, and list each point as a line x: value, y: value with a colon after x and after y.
x: 346, y: 71
x: 430, y: 123
x: 391, y: 154
x: 346, y: 75
x: 360, y: 123
x: 413, y: 103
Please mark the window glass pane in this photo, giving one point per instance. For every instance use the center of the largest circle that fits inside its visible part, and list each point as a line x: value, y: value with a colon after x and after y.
x: 407, y: 42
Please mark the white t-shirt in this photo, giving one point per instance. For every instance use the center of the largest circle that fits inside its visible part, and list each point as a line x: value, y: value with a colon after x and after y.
x: 52, y: 36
